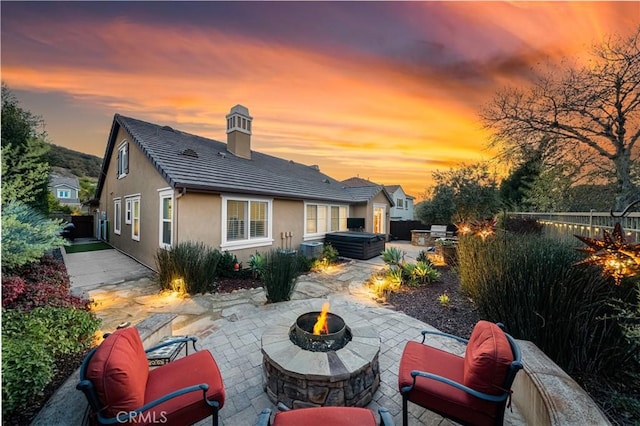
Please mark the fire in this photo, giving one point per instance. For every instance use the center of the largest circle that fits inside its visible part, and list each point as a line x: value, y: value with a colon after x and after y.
x: 321, y: 325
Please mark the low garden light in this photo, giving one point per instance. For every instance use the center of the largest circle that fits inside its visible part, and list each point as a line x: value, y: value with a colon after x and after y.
x: 613, y: 253
x: 479, y: 228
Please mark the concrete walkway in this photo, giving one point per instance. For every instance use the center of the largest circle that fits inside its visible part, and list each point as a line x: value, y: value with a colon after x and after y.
x: 231, y: 325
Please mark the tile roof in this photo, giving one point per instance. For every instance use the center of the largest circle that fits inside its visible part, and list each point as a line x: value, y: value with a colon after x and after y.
x: 201, y: 164
x: 55, y: 180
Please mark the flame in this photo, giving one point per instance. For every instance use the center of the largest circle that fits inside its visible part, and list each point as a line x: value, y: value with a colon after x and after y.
x: 321, y: 325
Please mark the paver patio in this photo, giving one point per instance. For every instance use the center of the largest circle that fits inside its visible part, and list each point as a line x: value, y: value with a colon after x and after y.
x: 231, y: 327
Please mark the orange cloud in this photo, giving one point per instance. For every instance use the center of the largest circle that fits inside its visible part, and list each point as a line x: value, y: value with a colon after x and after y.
x: 352, y: 113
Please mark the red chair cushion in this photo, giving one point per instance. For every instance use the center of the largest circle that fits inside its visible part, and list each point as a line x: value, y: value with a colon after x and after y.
x: 199, y: 367
x: 325, y: 416
x: 437, y: 396
x: 487, y: 359
x: 119, y: 372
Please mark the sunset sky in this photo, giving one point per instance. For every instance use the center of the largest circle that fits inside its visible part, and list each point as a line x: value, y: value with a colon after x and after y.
x: 387, y: 91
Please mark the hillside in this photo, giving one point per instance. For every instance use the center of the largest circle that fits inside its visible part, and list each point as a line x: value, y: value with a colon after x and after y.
x: 77, y: 163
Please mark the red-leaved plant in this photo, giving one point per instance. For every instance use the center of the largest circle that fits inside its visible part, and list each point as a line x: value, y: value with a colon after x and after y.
x: 45, y: 283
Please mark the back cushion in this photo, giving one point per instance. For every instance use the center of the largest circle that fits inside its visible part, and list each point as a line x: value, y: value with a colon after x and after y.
x: 119, y: 372
x: 487, y: 359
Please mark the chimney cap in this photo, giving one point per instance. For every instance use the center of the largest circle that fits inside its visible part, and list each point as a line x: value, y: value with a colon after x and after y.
x: 240, y: 109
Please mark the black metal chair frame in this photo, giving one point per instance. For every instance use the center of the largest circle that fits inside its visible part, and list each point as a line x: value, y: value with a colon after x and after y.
x: 86, y: 386
x: 501, y: 399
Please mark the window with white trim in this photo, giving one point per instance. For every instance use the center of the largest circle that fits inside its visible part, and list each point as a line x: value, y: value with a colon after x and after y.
x: 64, y: 193
x: 123, y: 160
x: 246, y: 221
x: 400, y: 203
x: 135, y: 218
x: 323, y: 218
x: 127, y: 211
x: 117, y: 217
x: 166, y: 219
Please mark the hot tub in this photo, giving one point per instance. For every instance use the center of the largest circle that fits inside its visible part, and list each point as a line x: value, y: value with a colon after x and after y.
x: 356, y: 245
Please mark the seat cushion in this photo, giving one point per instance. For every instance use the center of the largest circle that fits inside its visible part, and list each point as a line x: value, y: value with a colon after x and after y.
x: 487, y: 359
x: 119, y: 372
x: 196, y: 368
x: 437, y: 396
x: 325, y: 416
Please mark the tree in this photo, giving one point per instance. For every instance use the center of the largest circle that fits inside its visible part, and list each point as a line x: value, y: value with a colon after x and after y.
x: 513, y: 189
x: 590, y: 114
x: 26, y: 235
x: 25, y: 171
x: 461, y: 195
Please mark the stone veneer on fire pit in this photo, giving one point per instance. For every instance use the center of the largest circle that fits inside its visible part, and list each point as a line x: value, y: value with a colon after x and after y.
x: 300, y: 378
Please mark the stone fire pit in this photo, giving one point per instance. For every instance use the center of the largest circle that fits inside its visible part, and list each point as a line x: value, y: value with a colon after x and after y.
x: 298, y: 377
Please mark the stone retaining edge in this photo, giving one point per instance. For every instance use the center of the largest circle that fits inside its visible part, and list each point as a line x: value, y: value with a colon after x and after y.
x: 68, y: 406
x: 546, y: 395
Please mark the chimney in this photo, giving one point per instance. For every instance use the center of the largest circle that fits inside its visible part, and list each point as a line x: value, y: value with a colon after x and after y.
x: 239, y: 132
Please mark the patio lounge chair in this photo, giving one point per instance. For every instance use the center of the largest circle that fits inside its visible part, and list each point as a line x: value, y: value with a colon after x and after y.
x: 120, y: 388
x: 473, y: 390
x: 324, y: 416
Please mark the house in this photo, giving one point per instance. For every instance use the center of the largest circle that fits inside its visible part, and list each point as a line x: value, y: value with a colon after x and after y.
x: 65, y: 190
x: 379, y: 201
x: 403, y: 208
x: 160, y: 186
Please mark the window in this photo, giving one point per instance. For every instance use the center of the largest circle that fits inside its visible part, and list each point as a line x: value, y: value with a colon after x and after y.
x: 166, y: 219
x: 123, y: 159
x: 64, y: 193
x: 321, y: 218
x: 246, y: 222
x: 135, y: 218
x: 400, y: 203
x: 117, y: 216
x: 338, y: 218
x: 127, y: 211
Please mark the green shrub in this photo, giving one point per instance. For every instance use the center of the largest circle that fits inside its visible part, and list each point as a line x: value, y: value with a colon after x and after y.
x: 530, y: 284
x: 424, y: 273
x: 32, y: 344
x: 329, y: 254
x: 521, y: 225
x: 26, y: 235
x: 190, y: 266
x: 227, y: 264
x: 279, y: 275
x: 256, y: 264
x: 424, y: 257
x: 27, y: 368
x: 393, y: 257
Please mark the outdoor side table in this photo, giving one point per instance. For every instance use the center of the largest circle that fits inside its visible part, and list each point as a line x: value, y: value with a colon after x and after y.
x: 169, y: 353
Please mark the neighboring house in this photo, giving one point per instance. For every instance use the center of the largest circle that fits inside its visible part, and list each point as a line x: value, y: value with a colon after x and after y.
x: 403, y: 208
x: 160, y: 186
x: 65, y: 190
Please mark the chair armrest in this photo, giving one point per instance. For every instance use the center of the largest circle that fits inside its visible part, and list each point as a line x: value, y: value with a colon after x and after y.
x: 193, y: 339
x: 460, y: 386
x: 386, y: 419
x: 127, y: 416
x: 438, y: 333
x: 264, y: 419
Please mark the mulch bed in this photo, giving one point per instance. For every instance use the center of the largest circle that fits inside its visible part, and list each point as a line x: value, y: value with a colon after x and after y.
x: 422, y: 303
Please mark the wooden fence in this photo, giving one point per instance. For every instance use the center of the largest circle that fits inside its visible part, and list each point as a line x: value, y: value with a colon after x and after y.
x: 587, y: 224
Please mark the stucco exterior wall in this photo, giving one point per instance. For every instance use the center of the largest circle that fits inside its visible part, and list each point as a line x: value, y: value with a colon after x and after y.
x: 142, y: 180
x: 198, y: 218
x: 366, y: 211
